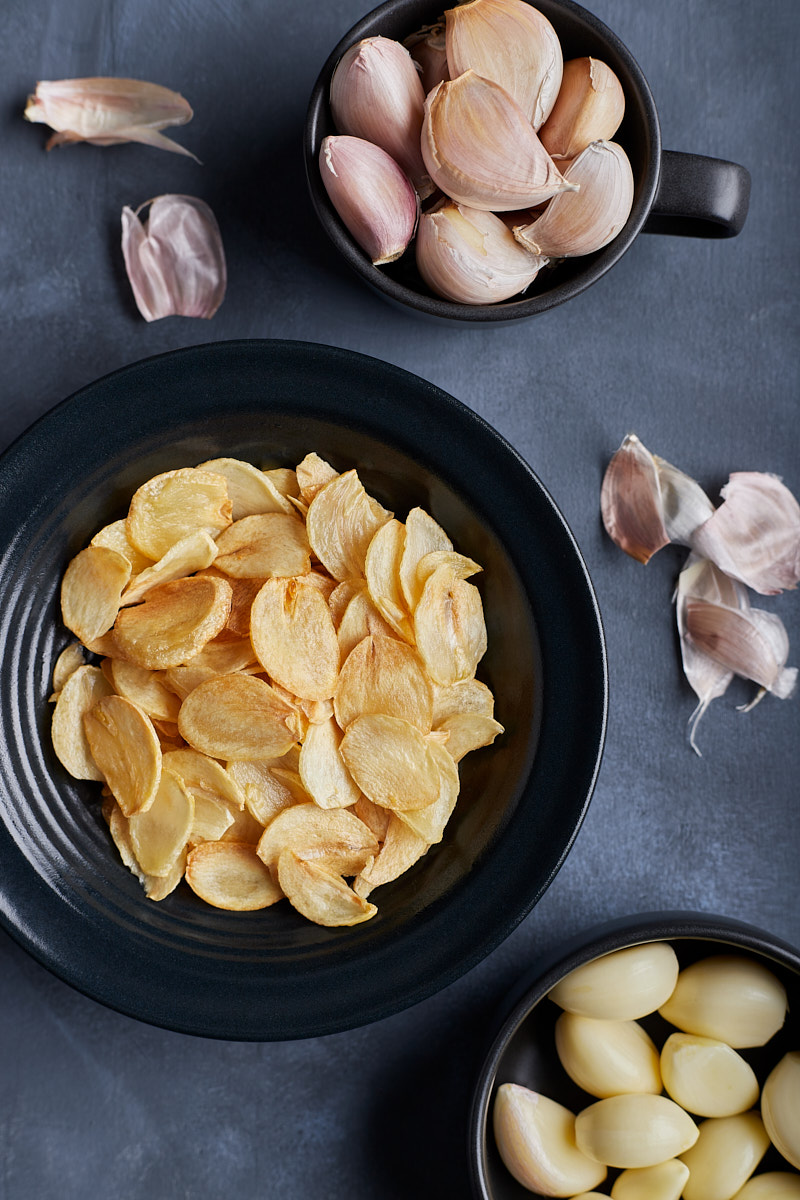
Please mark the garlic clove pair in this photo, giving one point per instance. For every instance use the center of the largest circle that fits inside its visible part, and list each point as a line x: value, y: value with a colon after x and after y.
x: 536, y: 1140
x: 373, y: 197
x: 428, y: 49
x: 589, y: 108
x: 175, y: 259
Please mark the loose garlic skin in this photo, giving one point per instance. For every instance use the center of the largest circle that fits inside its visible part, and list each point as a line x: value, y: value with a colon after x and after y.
x: 589, y: 108
x: 772, y: 1185
x: 634, y: 1131
x: 607, y: 1058
x: 707, y: 1077
x: 727, y: 1151
x: 621, y: 986
x: 664, y: 1181
x: 780, y: 1107
x: 728, y: 997
x: 536, y: 1140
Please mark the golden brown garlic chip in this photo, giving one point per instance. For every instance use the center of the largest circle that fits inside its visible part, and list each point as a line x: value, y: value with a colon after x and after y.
x: 126, y: 749
x: 169, y: 506
x: 382, y: 568
x: 449, y: 626
x: 159, y: 834
x: 230, y: 875
x: 190, y: 554
x: 341, y: 522
x: 333, y: 837
x: 401, y: 848
x: 423, y: 536
x: 144, y: 688
x: 91, y: 591
x: 384, y: 675
x: 84, y: 688
x: 265, y: 546
x: 115, y: 537
x: 391, y: 762
x: 320, y: 895
x: 174, y: 622
x: 294, y: 639
x: 322, y: 770
x: 250, y: 491
x: 235, y: 716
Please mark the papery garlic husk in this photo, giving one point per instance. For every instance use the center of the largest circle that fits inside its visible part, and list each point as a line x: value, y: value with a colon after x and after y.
x: 780, y: 1107
x: 107, y: 111
x: 511, y: 43
x: 429, y: 51
x: 582, y: 221
x: 482, y: 151
x: 727, y: 1151
x: 589, y: 108
x: 470, y: 256
x: 175, y: 260
x: 371, y: 194
x: 376, y: 94
x: 536, y: 1140
x: 752, y: 643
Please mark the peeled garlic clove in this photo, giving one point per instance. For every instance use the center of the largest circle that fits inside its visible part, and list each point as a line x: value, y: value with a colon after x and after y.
x: 468, y: 255
x: 371, y: 194
x: 607, y: 1058
x: 481, y: 150
x: 729, y: 997
x: 589, y: 108
x: 634, y: 1131
x: 536, y: 1140
x: 772, y: 1185
x: 664, y: 1181
x: 511, y: 43
x: 780, y: 1107
x: 175, y: 260
x: 727, y: 1151
x: 621, y: 986
x: 376, y: 94
x: 429, y: 51
x: 706, y: 1076
x: 580, y: 222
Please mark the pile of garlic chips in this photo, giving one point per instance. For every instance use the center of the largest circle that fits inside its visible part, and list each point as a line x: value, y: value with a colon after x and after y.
x: 286, y: 685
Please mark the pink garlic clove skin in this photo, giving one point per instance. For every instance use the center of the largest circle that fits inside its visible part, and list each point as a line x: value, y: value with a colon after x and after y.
x: 371, y: 194
x: 175, y: 260
x: 630, y: 501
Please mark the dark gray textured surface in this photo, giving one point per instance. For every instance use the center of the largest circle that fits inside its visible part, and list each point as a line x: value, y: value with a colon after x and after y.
x: 692, y: 344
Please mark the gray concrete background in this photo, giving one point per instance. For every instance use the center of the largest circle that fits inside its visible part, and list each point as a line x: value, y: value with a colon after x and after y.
x: 691, y: 344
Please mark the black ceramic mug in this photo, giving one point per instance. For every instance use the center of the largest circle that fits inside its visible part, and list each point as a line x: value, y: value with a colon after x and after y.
x: 674, y: 193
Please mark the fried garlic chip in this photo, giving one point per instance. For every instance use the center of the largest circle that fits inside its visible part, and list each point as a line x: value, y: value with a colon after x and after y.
x: 311, y: 475
x: 319, y: 895
x: 169, y: 506
x: 382, y: 569
x: 160, y: 833
x: 449, y: 627
x: 333, y: 837
x: 115, y: 537
x: 423, y: 536
x: 125, y: 747
x: 468, y: 696
x: 429, y: 822
x: 391, y: 761
x: 284, y: 480
x: 401, y: 848
x: 174, y: 622
x: 230, y: 875
x: 84, y: 688
x: 384, y: 675
x: 157, y: 887
x: 461, y: 566
x: 360, y: 618
x: 373, y: 815
x: 91, y: 591
x: 250, y: 491
x: 468, y: 731
x: 292, y: 632
x: 212, y: 819
x: 192, y: 553
x: 266, y: 546
x: 245, y: 828
x: 244, y: 592
x: 144, y: 688
x: 265, y: 795
x: 236, y: 716
x: 204, y: 776
x: 68, y: 661
x: 341, y: 522
x: 322, y: 770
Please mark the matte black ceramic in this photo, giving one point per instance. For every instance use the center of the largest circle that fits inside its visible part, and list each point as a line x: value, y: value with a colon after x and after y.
x: 522, y: 1049
x: 65, y: 895
x: 674, y: 192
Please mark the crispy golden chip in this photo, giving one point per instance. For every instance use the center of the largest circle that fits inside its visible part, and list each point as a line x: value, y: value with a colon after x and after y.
x: 468, y: 731
x: 264, y: 794
x: 429, y: 822
x: 360, y: 619
x: 84, y: 688
x: 449, y: 627
x: 382, y: 568
x: 311, y: 475
x: 341, y: 596
x: 174, y: 622
x: 115, y: 537
x: 391, y: 761
x: 468, y: 696
x: 268, y: 546
x: 204, y: 776
x: 215, y: 659
x: 401, y: 848
x: 157, y: 887
x: 230, y: 875
x: 284, y: 479
x: 250, y: 491
x: 292, y: 632
x: 144, y: 688
x: 68, y: 661
x: 319, y: 895
x: 212, y: 819
x: 291, y: 780
x: 159, y: 834
x: 384, y: 675
x: 91, y: 590
x: 321, y: 581
x: 245, y: 828
x: 333, y: 836
x: 461, y: 566
x: 375, y: 817
x: 341, y: 522
x: 125, y: 747
x: 244, y: 592
x: 236, y: 716
x: 322, y: 771
x: 316, y: 712
x: 190, y: 554
x: 423, y: 536
x: 168, y: 506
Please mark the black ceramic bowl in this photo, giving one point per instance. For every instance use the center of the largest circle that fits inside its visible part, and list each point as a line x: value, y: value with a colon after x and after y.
x: 674, y: 192
x: 523, y: 1051
x: 65, y: 895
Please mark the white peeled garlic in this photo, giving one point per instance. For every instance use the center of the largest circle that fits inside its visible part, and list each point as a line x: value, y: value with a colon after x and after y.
x: 727, y: 1151
x: 607, y: 1058
x: 470, y: 256
x: 780, y: 1107
x: 589, y: 108
x: 771, y: 1185
x: 663, y: 1181
x: 634, y: 1131
x: 371, y: 194
x: 729, y: 997
x: 580, y: 222
x: 621, y: 986
x: 511, y: 43
x: 536, y: 1140
x: 481, y: 150
x: 706, y: 1076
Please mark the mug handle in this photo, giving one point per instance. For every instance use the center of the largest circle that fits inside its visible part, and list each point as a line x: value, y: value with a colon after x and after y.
x: 699, y: 197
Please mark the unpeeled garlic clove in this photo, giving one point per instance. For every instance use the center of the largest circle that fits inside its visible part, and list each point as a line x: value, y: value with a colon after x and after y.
x: 175, y: 259
x: 376, y: 94
x: 511, y: 43
x: 706, y: 1076
x: 727, y: 1151
x: 751, y: 643
x: 621, y: 986
x: 634, y: 1131
x: 371, y: 194
x: 589, y: 108
x: 470, y: 256
x: 780, y: 1107
x: 429, y: 51
x: 771, y: 1185
x: 607, y: 1058
x: 663, y: 1181
x: 583, y: 221
x: 536, y: 1140
x: 481, y: 150
x: 729, y: 997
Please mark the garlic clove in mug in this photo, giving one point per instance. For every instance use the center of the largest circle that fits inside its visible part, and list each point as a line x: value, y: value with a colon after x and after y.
x: 481, y: 150
x: 581, y: 221
x: 428, y: 49
x: 511, y: 43
x: 470, y: 256
x: 376, y: 94
x: 589, y: 108
x: 373, y: 197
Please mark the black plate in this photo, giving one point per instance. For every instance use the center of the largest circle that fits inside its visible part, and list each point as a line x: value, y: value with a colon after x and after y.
x: 65, y: 895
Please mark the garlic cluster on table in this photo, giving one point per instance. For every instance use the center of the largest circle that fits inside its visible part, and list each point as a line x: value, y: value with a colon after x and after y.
x: 477, y: 143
